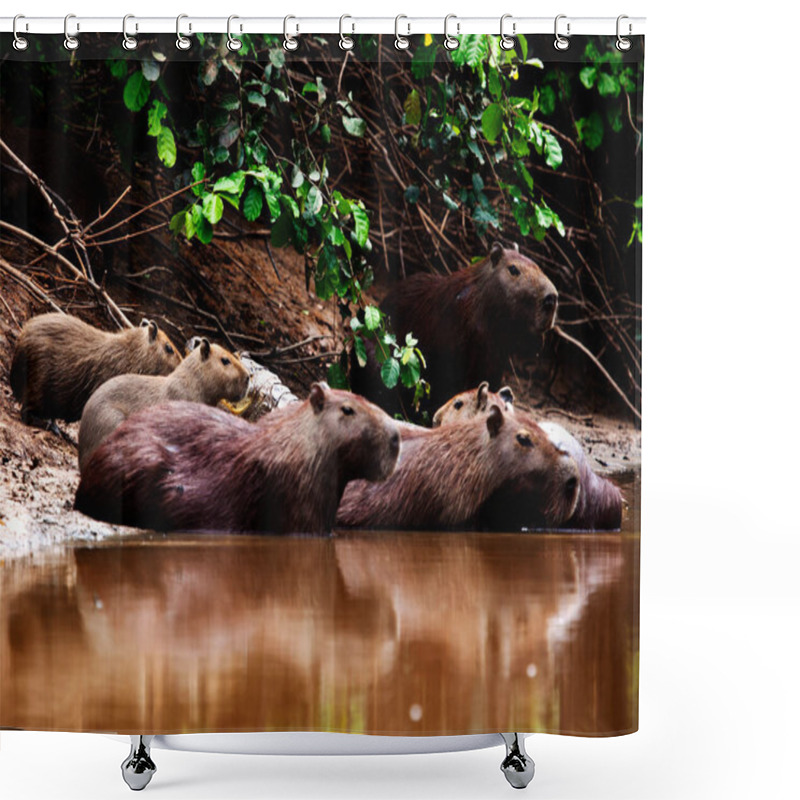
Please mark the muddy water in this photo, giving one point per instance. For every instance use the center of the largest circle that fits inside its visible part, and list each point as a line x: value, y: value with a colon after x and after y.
x: 404, y: 633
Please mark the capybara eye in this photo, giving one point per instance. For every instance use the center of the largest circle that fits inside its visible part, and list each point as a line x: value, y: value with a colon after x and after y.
x: 457, y: 405
x: 168, y: 348
x: 549, y: 301
x: 225, y: 361
x: 513, y: 269
x: 348, y: 411
x: 524, y: 439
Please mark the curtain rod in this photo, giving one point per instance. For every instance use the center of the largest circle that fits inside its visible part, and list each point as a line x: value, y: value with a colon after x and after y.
x: 633, y: 26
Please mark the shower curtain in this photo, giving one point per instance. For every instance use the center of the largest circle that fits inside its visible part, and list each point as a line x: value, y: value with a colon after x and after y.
x: 423, y: 517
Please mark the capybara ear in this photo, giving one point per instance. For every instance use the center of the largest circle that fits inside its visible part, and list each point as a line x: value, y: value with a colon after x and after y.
x: 482, y: 396
x: 205, y: 348
x: 494, y: 421
x: 152, y: 330
x: 193, y: 344
x: 317, y: 396
x: 507, y: 395
x: 496, y: 253
x: 144, y: 323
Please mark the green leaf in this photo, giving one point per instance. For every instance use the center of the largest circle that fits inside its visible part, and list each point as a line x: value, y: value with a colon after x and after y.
x: 253, y: 203
x: 314, y: 201
x: 178, y: 222
x: 336, y: 377
x: 590, y: 130
x: 547, y: 100
x: 472, y: 50
x: 212, y: 208
x: 282, y: 229
x: 588, y: 75
x: 423, y: 61
x: 355, y: 126
x: 411, y: 194
x: 411, y: 370
x: 136, y: 92
x: 492, y: 122
x: 257, y: 99
x: 361, y: 351
x: 413, y: 108
x: 119, y: 69
x: 233, y: 183
x: 156, y: 113
x: 552, y: 149
x: 273, y: 203
x: 608, y: 85
x: 390, y: 372
x: 372, y: 318
x: 361, y: 222
x: 495, y: 86
x: 277, y: 57
x: 165, y: 147
x: 449, y: 202
x: 325, y: 134
x: 198, y: 173
x: 202, y: 228
x: 230, y: 102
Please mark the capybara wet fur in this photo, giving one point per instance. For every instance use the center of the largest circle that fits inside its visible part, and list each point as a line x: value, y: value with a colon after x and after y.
x: 180, y: 466
x: 208, y: 374
x: 600, y: 502
x: 445, y: 476
x: 469, y: 322
x: 59, y: 361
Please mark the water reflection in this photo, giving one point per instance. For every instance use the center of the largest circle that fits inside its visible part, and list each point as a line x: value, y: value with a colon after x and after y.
x: 379, y: 633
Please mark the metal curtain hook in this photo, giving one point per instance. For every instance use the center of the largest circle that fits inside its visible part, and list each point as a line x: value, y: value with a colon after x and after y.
x: 233, y: 44
x: 623, y: 43
x: 70, y: 42
x: 129, y: 42
x: 20, y: 42
x: 507, y: 42
x: 289, y: 41
x: 450, y: 42
x: 401, y: 42
x: 182, y: 42
x: 346, y: 42
x: 561, y: 42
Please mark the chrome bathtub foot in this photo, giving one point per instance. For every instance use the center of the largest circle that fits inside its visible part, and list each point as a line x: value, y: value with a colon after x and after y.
x: 517, y: 766
x: 138, y: 768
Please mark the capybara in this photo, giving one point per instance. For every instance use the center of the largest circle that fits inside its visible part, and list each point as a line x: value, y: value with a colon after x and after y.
x: 468, y: 323
x: 466, y: 405
x: 59, y: 361
x: 600, y: 503
x: 445, y: 475
x: 207, y: 375
x: 181, y: 465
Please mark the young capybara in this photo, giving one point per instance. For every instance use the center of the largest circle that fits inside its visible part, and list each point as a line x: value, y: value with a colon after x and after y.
x: 59, y: 361
x: 600, y: 503
x: 207, y: 375
x: 445, y: 475
x: 180, y: 465
x: 468, y: 323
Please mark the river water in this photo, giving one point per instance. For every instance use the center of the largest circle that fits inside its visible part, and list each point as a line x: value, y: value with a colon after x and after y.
x: 380, y: 632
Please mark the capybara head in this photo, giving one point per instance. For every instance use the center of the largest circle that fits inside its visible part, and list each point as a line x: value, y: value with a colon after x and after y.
x: 364, y: 436
x: 217, y: 373
x: 541, y: 475
x: 162, y: 354
x: 517, y: 285
x: 469, y: 404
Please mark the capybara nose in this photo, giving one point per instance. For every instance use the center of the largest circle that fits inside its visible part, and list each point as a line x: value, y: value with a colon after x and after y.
x: 550, y: 301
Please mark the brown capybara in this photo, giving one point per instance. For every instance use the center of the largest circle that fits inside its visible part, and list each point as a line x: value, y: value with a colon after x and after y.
x: 59, y: 361
x: 207, y: 375
x: 445, y: 476
x: 468, y: 323
x: 600, y: 503
x: 180, y: 465
x: 469, y: 404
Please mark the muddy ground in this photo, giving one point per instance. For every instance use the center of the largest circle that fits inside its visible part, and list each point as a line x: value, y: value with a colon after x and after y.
x: 38, y: 469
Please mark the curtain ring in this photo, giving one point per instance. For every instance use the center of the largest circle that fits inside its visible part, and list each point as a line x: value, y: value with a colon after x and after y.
x: 401, y: 42
x: 20, y: 42
x: 233, y: 44
x: 182, y: 42
x: 129, y: 42
x: 450, y: 42
x: 346, y: 42
x: 507, y: 42
x: 623, y: 43
x: 561, y: 42
x: 289, y: 41
x: 70, y: 42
